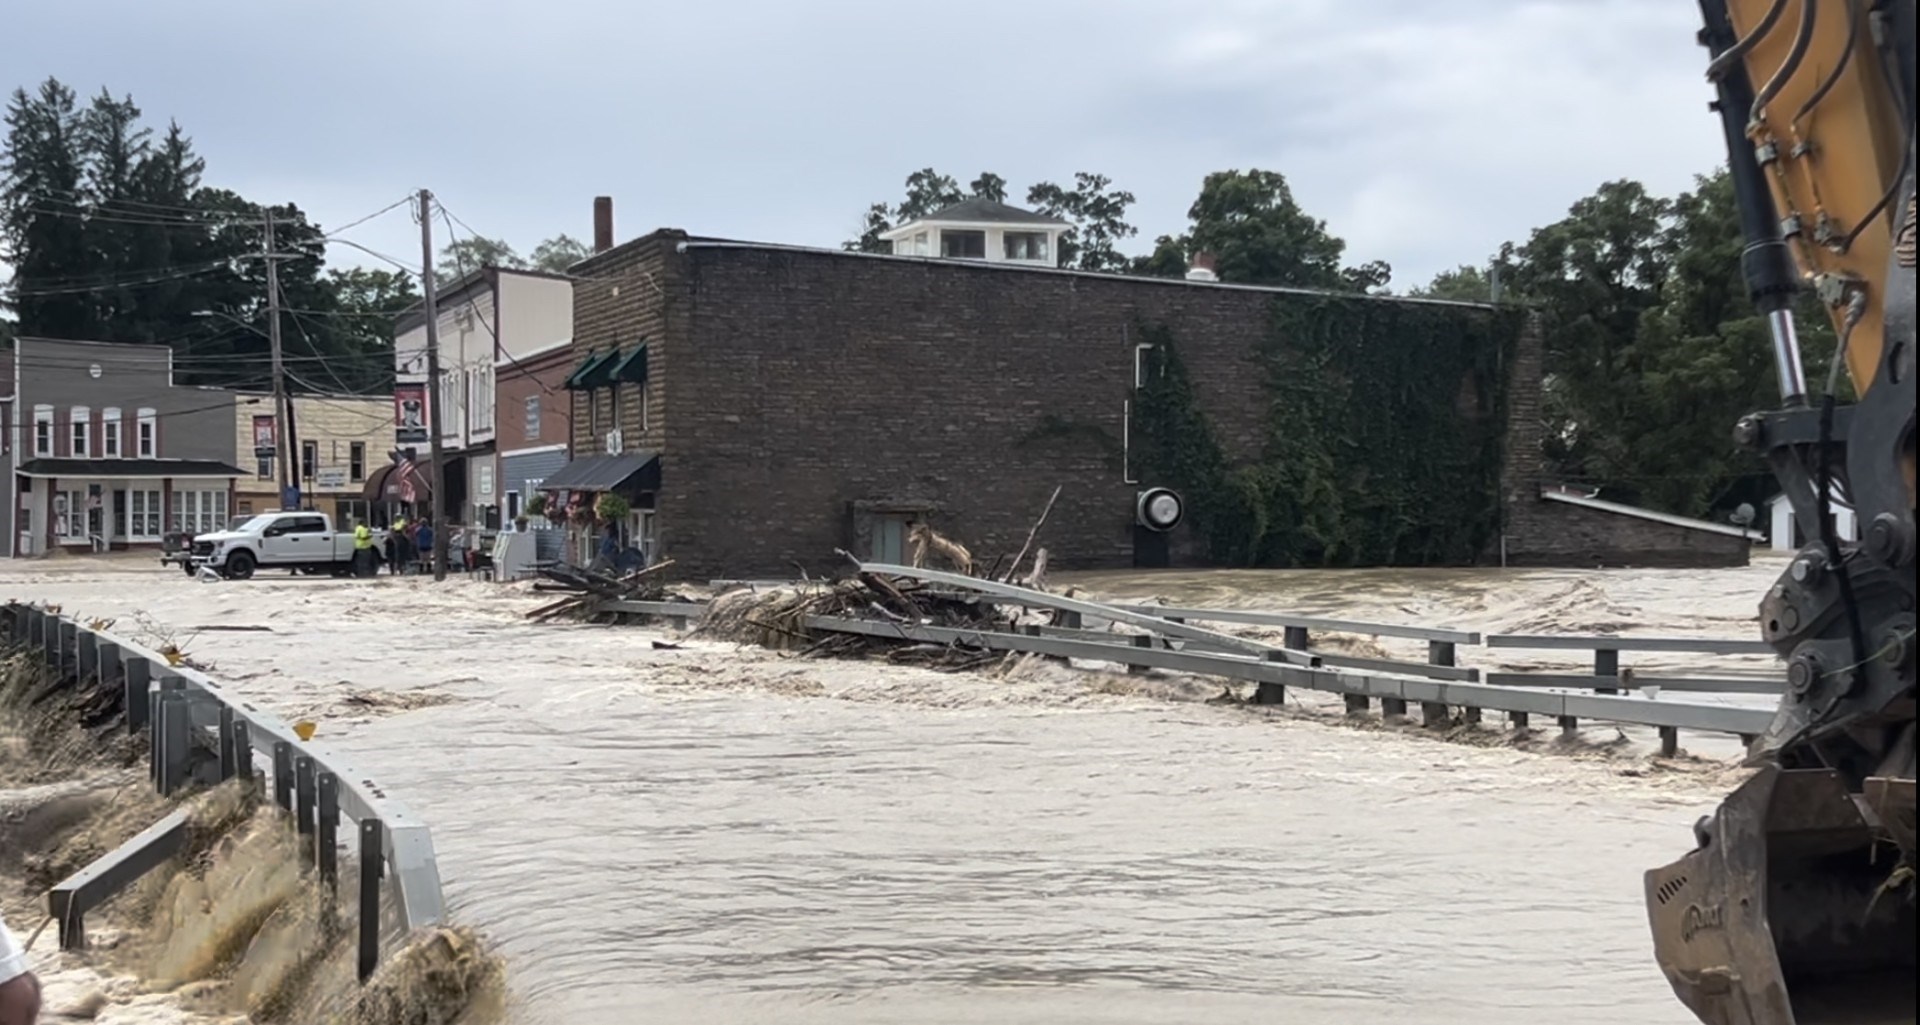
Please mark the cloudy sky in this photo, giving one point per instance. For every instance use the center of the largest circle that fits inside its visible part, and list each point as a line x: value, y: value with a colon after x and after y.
x: 1425, y: 132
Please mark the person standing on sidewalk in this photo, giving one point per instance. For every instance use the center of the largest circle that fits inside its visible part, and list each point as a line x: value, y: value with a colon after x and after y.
x: 19, y: 988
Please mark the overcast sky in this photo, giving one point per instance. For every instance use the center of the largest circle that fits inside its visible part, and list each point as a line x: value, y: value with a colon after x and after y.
x: 1425, y: 132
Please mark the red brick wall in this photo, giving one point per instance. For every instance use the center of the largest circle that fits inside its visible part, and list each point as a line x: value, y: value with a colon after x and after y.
x: 514, y: 382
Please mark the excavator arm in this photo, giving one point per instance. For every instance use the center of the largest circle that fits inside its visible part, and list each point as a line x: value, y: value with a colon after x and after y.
x: 1796, y: 906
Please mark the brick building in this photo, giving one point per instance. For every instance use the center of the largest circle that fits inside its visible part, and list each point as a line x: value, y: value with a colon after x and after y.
x: 762, y: 405
x: 534, y: 422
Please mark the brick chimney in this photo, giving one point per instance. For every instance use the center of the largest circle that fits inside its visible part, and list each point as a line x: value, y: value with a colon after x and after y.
x: 602, y: 223
x: 1202, y: 268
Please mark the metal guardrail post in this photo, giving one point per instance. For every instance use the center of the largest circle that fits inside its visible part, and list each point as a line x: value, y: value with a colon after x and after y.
x: 1606, y: 662
x: 1265, y: 693
x: 371, y: 866
x: 86, y: 654
x: 242, y: 743
x: 135, y: 682
x: 229, y: 760
x: 325, y: 839
x: 283, y: 775
x: 1068, y: 619
x: 107, y: 662
x: 1669, y: 741
x: 1433, y: 714
x: 303, y: 797
x: 1569, y: 725
x: 1140, y: 641
x: 174, y: 736
x: 1519, y: 720
x: 66, y: 659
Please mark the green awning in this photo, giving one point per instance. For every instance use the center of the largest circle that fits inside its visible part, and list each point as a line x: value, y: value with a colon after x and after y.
x: 593, y: 371
x: 633, y: 367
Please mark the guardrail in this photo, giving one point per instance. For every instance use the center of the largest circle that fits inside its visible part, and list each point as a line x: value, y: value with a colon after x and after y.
x: 198, y: 733
x: 1438, y: 684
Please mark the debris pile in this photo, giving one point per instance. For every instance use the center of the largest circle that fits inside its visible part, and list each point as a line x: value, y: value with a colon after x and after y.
x: 779, y: 618
x: 588, y: 592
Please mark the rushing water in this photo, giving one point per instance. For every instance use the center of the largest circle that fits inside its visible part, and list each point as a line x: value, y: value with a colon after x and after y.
x: 709, y: 835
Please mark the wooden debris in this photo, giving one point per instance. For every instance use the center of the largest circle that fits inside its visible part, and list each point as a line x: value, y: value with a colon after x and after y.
x: 588, y: 590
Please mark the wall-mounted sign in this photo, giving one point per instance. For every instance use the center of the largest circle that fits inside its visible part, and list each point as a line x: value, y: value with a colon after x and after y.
x: 263, y: 436
x: 409, y: 414
x: 330, y: 478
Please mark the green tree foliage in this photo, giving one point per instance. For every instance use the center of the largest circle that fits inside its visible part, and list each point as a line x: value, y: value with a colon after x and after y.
x: 1098, y: 214
x: 558, y: 253
x: 1260, y: 235
x: 463, y: 256
x: 113, y: 236
x: 1653, y: 350
x: 1461, y: 284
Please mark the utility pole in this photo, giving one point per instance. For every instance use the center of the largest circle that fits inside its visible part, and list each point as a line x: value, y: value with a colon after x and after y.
x: 438, y: 486
x: 281, y: 443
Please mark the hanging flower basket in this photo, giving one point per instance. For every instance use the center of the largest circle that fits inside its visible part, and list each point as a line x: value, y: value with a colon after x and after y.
x: 583, y: 514
x: 612, y: 508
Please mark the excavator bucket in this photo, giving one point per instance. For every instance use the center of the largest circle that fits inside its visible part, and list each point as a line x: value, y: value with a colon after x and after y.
x: 1796, y: 907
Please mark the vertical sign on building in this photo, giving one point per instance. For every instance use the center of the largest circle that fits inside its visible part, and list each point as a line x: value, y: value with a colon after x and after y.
x: 263, y: 436
x: 409, y: 414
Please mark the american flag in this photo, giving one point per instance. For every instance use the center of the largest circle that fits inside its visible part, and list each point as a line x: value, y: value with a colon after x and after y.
x: 407, y: 493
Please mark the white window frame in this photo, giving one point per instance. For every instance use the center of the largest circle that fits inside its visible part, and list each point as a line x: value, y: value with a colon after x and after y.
x: 532, y: 413
x: 645, y: 406
x: 356, y: 462
x: 144, y: 507
x: 199, y: 511
x: 110, y: 434
x: 147, y: 434
x: 80, y: 432
x: 484, y: 485
x: 43, y: 442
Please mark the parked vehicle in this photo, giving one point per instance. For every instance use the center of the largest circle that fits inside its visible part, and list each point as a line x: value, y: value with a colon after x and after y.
x: 300, y: 541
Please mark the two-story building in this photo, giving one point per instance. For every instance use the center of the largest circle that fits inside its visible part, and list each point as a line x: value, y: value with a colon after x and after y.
x: 491, y: 316
x: 342, y: 439
x: 105, y: 451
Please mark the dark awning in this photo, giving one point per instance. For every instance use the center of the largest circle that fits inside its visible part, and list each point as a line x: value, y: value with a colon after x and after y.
x: 384, y: 483
x: 607, y: 473
x: 129, y: 468
x: 633, y: 366
x: 593, y: 372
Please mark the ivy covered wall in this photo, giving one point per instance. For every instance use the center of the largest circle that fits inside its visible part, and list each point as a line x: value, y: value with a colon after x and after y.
x: 1383, y: 436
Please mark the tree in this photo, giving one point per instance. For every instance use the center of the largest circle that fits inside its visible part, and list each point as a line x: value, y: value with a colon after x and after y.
x: 558, y: 253
x: 989, y: 186
x: 462, y: 256
x: 1098, y: 215
x: 1259, y: 235
x: 1168, y: 259
x: 42, y: 213
x: 1461, y: 284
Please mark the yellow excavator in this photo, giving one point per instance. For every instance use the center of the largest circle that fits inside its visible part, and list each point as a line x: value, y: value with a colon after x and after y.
x: 1796, y: 906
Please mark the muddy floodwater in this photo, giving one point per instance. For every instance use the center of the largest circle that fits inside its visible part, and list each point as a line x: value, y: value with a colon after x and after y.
x: 717, y: 834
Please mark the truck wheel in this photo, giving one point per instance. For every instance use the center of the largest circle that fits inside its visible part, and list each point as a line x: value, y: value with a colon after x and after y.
x: 240, y: 566
x: 188, y: 566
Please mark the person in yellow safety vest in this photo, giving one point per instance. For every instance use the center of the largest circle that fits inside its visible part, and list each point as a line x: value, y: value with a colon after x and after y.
x: 362, y: 550
x: 397, y: 545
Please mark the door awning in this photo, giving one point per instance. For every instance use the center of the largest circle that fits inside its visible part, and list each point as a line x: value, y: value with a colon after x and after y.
x: 390, y: 483
x: 637, y: 471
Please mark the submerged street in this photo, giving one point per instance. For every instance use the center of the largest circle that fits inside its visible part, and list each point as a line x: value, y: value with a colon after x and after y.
x: 726, y: 834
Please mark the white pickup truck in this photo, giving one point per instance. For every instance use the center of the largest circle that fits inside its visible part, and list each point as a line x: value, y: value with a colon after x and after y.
x: 299, y: 541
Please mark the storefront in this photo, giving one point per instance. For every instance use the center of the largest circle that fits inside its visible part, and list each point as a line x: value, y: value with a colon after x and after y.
x: 82, y: 505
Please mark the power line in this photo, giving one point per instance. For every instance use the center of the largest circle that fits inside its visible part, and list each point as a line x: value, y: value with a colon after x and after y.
x: 402, y: 201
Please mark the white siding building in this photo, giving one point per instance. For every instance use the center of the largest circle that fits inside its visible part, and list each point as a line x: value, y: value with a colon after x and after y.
x: 1785, y: 534
x: 490, y: 316
x: 982, y: 229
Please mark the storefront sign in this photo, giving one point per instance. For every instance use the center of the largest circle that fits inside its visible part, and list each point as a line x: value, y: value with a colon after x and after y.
x: 263, y: 447
x: 409, y: 414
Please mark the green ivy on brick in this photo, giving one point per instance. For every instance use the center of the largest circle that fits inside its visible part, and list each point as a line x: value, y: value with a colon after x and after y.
x: 1383, y: 438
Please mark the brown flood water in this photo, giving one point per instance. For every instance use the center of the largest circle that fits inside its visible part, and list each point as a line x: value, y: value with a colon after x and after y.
x: 722, y: 835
